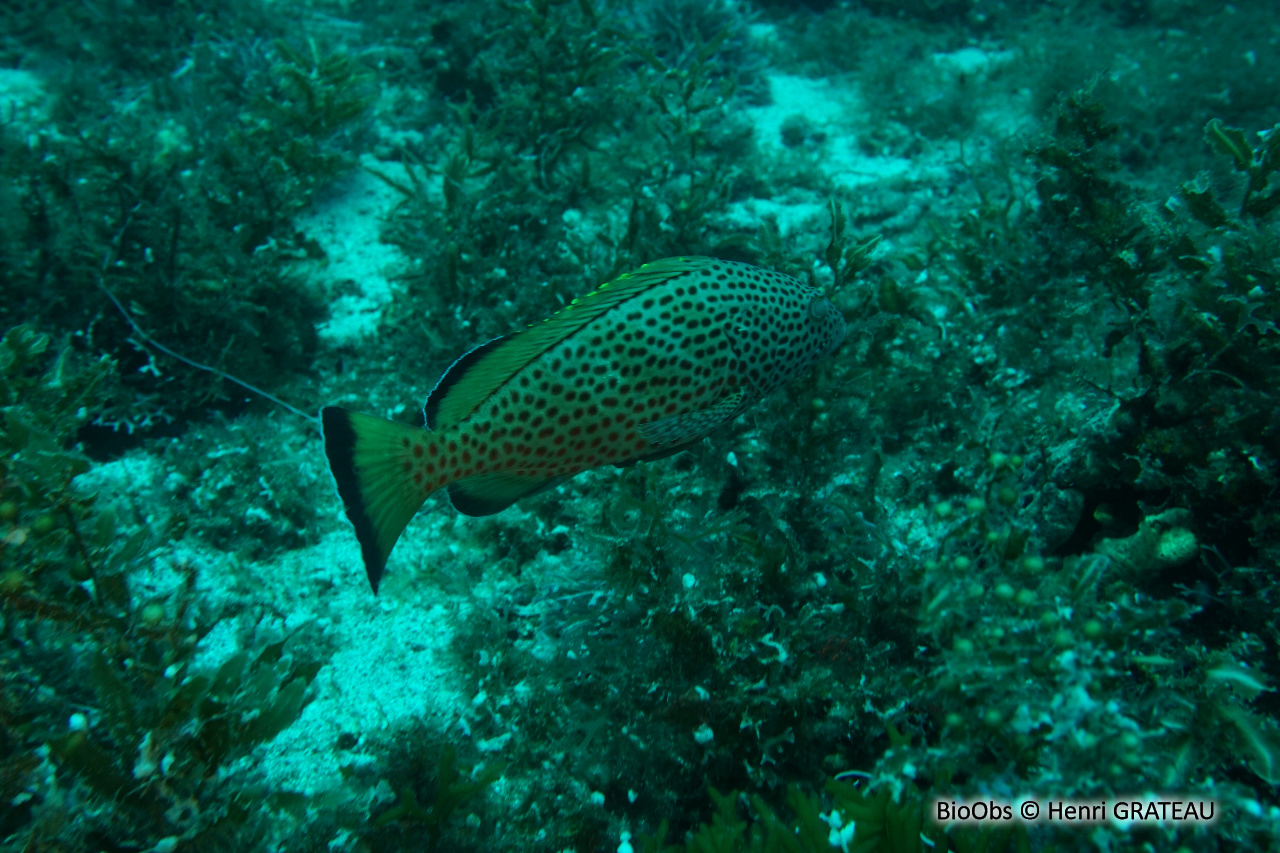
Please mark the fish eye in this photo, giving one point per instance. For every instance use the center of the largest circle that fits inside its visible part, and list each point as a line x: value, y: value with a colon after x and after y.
x: 819, y: 306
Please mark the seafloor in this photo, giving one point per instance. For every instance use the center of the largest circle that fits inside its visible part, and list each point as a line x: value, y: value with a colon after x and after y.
x: 1015, y: 541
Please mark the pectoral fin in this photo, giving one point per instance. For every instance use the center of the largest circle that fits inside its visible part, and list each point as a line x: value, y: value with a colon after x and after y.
x: 691, y: 426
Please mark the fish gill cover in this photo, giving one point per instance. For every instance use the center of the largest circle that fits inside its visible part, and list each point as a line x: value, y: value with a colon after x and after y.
x: 1014, y: 539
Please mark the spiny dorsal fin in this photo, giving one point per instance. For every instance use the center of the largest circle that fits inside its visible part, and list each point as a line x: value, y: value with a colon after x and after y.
x: 475, y: 376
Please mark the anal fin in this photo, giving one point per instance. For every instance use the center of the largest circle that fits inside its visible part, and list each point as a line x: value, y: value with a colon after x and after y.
x: 487, y: 494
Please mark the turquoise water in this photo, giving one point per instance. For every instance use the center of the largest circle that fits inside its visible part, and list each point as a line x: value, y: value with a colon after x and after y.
x: 996, y: 573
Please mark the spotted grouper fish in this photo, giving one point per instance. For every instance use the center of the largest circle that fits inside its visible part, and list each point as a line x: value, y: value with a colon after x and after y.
x: 638, y: 369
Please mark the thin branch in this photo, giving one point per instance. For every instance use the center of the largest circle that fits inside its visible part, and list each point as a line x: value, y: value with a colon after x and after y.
x: 152, y: 342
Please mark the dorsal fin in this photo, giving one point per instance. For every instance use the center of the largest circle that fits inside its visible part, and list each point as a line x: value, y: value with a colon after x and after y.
x: 451, y: 377
x: 475, y: 376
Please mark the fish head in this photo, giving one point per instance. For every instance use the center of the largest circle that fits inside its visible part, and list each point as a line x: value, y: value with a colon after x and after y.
x: 781, y: 327
x: 827, y: 324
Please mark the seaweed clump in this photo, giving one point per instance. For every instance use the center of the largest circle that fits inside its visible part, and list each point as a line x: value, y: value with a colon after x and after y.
x: 113, y: 733
x: 181, y: 206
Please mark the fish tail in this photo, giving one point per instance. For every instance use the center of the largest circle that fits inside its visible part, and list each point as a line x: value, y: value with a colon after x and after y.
x: 373, y: 464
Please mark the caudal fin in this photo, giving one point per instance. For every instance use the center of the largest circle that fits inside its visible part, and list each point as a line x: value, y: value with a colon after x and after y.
x: 371, y: 460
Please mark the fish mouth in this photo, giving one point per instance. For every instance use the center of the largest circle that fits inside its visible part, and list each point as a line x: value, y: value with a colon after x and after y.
x: 824, y: 311
x: 837, y: 337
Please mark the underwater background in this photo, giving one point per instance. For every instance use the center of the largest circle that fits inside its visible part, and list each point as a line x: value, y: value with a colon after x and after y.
x: 1016, y: 540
